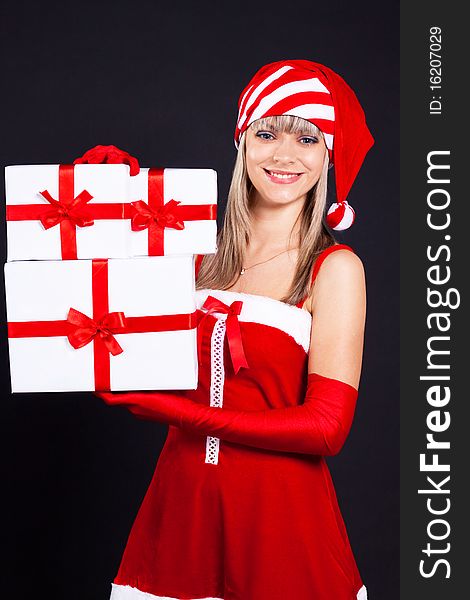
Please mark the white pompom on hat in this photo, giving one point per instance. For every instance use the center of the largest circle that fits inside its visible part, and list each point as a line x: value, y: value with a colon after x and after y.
x: 313, y: 92
x: 340, y: 216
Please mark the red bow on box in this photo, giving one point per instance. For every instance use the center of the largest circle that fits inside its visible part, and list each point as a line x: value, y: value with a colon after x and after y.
x: 85, y: 329
x: 66, y: 212
x: 163, y: 216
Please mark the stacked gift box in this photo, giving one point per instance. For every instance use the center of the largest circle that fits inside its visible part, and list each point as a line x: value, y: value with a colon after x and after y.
x: 100, y: 282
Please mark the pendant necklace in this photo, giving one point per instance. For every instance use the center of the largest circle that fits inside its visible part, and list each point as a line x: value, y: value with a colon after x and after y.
x: 265, y: 261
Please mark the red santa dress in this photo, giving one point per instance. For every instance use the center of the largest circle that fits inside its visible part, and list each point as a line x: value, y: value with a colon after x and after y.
x: 227, y: 521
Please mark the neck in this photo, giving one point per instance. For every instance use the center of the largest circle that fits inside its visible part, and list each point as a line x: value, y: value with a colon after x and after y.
x: 271, y: 225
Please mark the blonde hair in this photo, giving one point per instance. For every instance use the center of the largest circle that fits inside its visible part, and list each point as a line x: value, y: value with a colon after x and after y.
x: 222, y: 269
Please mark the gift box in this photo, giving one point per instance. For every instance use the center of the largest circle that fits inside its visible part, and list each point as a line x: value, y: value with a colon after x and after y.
x: 86, y: 211
x: 176, y: 212
x: 67, y: 211
x: 118, y: 324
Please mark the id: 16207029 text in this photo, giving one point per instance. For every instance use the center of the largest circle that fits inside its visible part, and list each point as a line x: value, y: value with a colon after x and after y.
x: 435, y: 70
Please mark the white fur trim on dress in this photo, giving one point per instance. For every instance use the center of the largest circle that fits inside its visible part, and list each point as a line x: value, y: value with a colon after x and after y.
x: 126, y: 592
x: 289, y: 318
x: 362, y: 593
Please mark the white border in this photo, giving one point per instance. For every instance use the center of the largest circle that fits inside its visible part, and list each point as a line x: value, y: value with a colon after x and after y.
x: 362, y: 593
x: 126, y: 592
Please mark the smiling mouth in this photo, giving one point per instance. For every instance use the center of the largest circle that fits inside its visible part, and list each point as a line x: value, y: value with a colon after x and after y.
x: 282, y: 176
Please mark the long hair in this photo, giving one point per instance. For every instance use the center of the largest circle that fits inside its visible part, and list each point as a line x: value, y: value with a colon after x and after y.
x: 221, y: 270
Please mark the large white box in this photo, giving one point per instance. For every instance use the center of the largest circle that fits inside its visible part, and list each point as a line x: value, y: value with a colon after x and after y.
x: 40, y: 294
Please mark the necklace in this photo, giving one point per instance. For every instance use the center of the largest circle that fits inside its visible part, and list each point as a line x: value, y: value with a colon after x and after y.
x: 265, y: 261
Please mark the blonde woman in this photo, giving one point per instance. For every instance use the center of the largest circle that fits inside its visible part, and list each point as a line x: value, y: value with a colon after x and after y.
x: 242, y: 505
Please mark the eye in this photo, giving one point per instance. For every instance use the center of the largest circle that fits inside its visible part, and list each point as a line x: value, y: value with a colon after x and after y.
x: 265, y: 135
x: 308, y: 140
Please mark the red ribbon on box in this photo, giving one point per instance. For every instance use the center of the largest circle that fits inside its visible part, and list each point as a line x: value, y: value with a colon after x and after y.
x: 234, y: 337
x: 156, y: 215
x: 70, y: 211
x: 102, y: 327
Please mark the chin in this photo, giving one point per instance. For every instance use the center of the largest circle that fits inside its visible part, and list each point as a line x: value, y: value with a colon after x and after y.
x: 285, y: 193
x: 279, y: 198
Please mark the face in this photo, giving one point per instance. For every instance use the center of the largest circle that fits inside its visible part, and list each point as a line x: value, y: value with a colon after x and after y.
x: 283, y: 167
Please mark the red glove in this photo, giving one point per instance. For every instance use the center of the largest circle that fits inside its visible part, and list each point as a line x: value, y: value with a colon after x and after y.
x: 109, y: 155
x: 318, y: 426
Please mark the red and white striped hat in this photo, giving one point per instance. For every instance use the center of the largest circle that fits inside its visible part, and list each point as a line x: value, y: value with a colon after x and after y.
x: 309, y: 90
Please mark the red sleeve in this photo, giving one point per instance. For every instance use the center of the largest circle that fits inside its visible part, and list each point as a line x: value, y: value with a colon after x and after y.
x: 318, y: 426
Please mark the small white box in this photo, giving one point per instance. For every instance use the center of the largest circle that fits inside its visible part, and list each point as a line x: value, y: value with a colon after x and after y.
x: 28, y: 239
x: 196, y: 190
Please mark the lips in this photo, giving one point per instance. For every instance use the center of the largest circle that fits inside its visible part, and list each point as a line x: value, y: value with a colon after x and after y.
x: 282, y: 176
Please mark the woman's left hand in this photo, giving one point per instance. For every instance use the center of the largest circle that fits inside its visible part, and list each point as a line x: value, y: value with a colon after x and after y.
x: 110, y: 155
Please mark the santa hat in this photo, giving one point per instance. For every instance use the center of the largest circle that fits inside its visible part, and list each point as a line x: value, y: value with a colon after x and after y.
x: 306, y: 89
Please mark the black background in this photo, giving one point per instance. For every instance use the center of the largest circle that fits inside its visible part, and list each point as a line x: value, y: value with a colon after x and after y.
x: 162, y: 81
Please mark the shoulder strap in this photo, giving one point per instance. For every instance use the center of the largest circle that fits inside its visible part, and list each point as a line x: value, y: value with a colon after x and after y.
x: 319, y: 261
x: 197, y: 263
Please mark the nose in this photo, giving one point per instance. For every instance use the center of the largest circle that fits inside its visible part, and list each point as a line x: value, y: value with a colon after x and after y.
x: 284, y: 150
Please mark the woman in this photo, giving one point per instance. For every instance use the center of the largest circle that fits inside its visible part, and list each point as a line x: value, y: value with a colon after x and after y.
x: 241, y: 505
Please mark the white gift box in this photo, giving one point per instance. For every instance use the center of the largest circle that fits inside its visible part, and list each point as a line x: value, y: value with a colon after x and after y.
x: 149, y: 291
x: 196, y: 191
x: 100, y: 211
x: 28, y: 239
